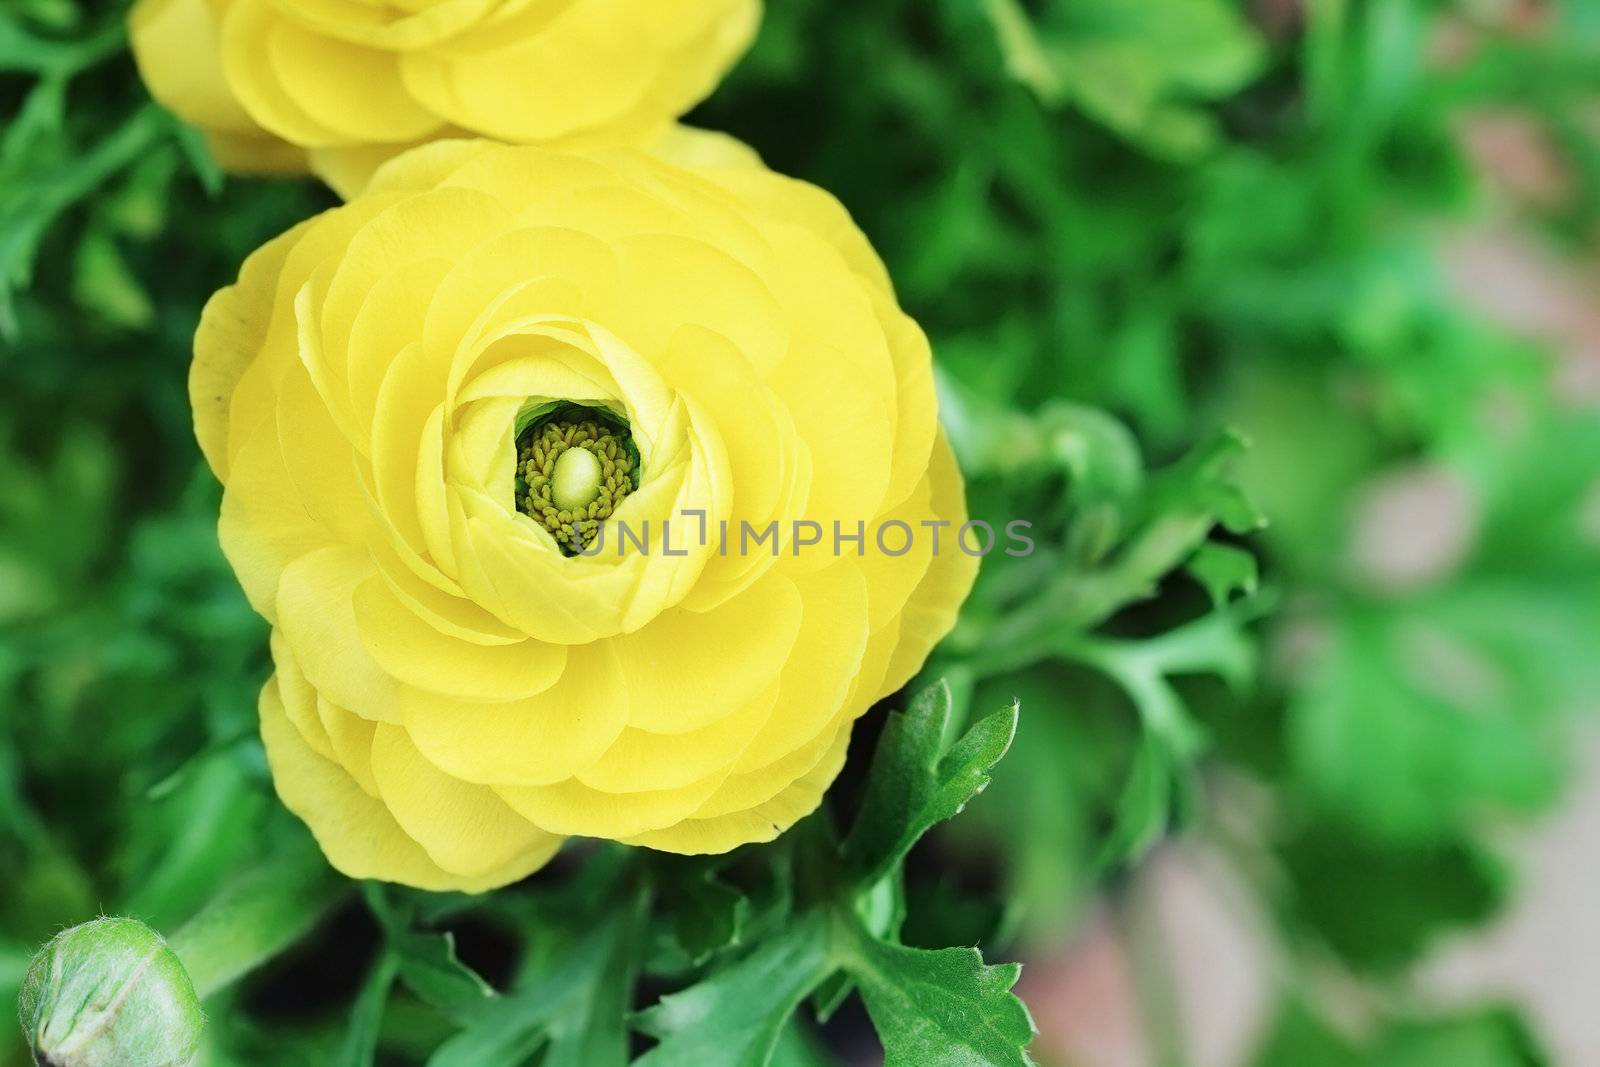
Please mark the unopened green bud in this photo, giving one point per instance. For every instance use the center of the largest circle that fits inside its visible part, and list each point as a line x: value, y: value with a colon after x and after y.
x: 109, y: 993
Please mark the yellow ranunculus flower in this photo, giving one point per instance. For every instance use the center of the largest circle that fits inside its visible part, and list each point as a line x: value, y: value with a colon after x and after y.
x: 421, y: 404
x: 341, y: 85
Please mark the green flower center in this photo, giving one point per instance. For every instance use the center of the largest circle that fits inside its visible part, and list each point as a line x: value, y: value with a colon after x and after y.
x: 573, y: 470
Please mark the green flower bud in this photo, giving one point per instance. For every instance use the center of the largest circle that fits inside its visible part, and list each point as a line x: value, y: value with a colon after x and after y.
x: 109, y: 993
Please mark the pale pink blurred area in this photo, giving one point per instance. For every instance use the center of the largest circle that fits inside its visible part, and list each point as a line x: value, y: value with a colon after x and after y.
x: 1542, y: 955
x: 1209, y: 952
x: 1412, y: 525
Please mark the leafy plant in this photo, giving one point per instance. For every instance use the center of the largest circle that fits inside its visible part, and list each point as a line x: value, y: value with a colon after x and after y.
x: 1181, y: 264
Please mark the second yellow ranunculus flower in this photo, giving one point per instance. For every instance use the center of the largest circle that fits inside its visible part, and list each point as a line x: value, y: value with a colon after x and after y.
x: 428, y: 406
x: 341, y: 85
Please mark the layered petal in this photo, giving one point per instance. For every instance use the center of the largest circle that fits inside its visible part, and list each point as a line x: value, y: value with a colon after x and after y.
x: 340, y: 86
x: 470, y: 664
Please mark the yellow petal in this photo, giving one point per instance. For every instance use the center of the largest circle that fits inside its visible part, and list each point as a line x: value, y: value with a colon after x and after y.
x: 351, y: 736
x: 742, y: 791
x: 356, y: 92
x: 408, y: 443
x: 424, y: 167
x: 544, y: 87
x: 175, y: 44
x: 918, y: 404
x: 386, y: 324
x: 891, y: 579
x: 263, y: 527
x: 419, y: 586
x: 320, y: 461
x: 932, y: 610
x: 357, y: 833
x: 535, y: 741
x: 690, y: 146
x: 430, y: 228
x: 418, y: 655
x: 232, y: 329
x: 465, y: 829
x: 671, y: 282
x: 638, y: 761
x: 300, y: 700
x: 379, y: 26
x: 248, y: 27
x: 822, y: 668
x: 692, y: 669
x: 575, y: 809
x: 801, y: 202
x: 316, y: 614
x: 695, y: 837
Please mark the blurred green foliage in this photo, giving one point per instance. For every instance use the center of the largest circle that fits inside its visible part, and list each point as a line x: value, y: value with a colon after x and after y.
x: 1181, y: 262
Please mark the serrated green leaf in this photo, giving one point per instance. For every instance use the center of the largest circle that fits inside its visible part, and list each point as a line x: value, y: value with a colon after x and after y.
x: 912, y: 787
x: 941, y: 1006
x: 737, y: 1016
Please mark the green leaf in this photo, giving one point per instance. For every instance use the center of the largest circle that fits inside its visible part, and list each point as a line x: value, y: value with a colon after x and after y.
x: 1225, y: 570
x: 35, y: 201
x: 705, y: 914
x: 1133, y: 65
x: 910, y: 788
x: 592, y: 1030
x: 21, y: 50
x: 430, y: 968
x: 795, y: 1049
x: 1205, y: 483
x: 1144, y: 809
x: 737, y: 1016
x: 104, y: 285
x: 254, y: 915
x: 940, y: 1006
x: 1407, y: 897
x: 1488, y: 1038
x: 575, y: 1003
x: 366, y: 1018
x: 428, y: 964
x: 1416, y: 719
x: 1298, y: 1038
x: 1495, y: 1038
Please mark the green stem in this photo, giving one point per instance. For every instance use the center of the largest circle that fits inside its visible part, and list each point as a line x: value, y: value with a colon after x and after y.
x: 254, y: 918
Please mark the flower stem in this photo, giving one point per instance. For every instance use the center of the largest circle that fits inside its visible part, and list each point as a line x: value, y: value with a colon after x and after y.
x: 254, y: 917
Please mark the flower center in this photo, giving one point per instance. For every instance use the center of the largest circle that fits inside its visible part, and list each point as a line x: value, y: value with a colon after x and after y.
x: 573, y: 469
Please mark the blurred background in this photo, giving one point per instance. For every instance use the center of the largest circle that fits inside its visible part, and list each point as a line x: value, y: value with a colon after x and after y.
x: 1277, y: 318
